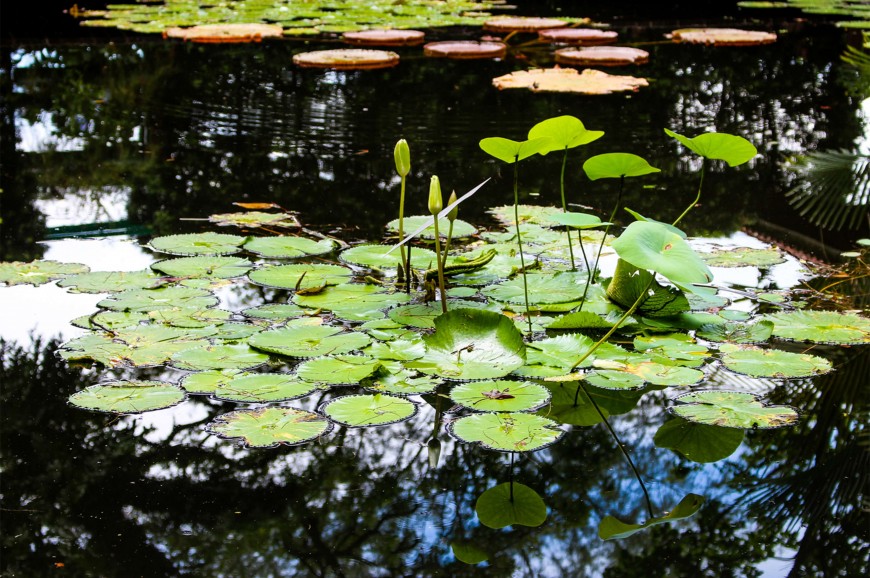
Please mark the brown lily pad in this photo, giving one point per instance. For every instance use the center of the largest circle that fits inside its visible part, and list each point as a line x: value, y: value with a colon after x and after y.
x: 384, y: 37
x: 220, y: 33
x: 465, y: 49
x: 722, y: 36
x: 522, y: 24
x: 569, y: 80
x: 347, y: 59
x: 602, y: 56
x: 581, y: 36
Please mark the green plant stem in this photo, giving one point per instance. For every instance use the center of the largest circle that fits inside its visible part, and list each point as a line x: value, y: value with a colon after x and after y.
x: 511, y: 478
x: 649, y: 507
x: 697, y: 197
x: 520, y: 241
x: 591, y: 272
x: 565, y: 209
x: 405, y: 259
x: 447, y: 245
x: 440, y: 268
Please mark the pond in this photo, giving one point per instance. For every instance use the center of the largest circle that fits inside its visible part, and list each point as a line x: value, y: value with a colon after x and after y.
x: 115, y: 142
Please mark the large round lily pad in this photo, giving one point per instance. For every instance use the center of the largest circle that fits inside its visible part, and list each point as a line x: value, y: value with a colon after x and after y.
x: 128, y: 397
x: 338, y: 369
x: 582, y: 36
x: 301, y: 277
x: 744, y: 257
x: 204, y: 267
x: 170, y: 297
x: 311, y: 341
x: 376, y: 257
x: 732, y: 409
x: 465, y: 49
x: 384, y: 37
x: 37, y: 272
x: 590, y: 81
x: 263, y: 388
x: 353, y: 302
x: 722, y: 36
x: 500, y: 395
x: 255, y: 219
x: 460, y: 227
x: 288, y: 247
x: 111, y: 281
x: 347, y: 59
x: 507, y: 432
x: 821, y: 326
x: 369, y: 410
x: 602, y: 56
x: 222, y: 33
x: 219, y: 357
x: 198, y: 244
x: 270, y: 426
x: 759, y: 362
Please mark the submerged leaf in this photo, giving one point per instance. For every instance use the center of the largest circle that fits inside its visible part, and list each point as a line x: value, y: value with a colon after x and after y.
x: 698, y: 442
x: 509, y: 504
x: 611, y: 528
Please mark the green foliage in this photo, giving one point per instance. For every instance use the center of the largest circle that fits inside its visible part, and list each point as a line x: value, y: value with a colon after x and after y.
x: 563, y: 132
x: 510, y: 504
x: 268, y: 427
x: 511, y: 151
x: 611, y: 528
x: 616, y: 166
x: 734, y: 150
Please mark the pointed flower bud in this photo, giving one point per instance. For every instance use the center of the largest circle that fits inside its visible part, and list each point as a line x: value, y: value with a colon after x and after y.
x: 402, y: 154
x: 455, y: 210
x: 436, y: 201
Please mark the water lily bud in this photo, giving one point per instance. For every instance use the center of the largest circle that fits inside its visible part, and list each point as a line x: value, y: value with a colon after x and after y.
x: 455, y: 210
x: 434, y: 446
x: 436, y: 201
x: 402, y: 155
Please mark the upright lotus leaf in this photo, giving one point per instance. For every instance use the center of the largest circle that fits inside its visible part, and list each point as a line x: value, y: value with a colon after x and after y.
x: 128, y: 397
x: 500, y: 395
x: 734, y: 150
x: 638, y: 217
x: 198, y: 244
x: 369, y: 410
x: 564, y: 132
x: 698, y: 442
x: 338, y: 370
x: 302, y: 276
x: 732, y: 409
x: 254, y: 219
x: 37, y: 272
x: 611, y: 528
x: 289, y: 247
x: 111, y: 281
x: 758, y: 362
x: 507, y: 432
x: 650, y: 246
x: 206, y: 382
x: 204, y: 267
x: 239, y: 356
x: 821, y: 326
x: 263, y: 388
x: 511, y: 151
x: 269, y: 427
x: 472, y: 344
x: 510, y: 504
x: 309, y: 341
x: 616, y: 166
x: 147, y: 300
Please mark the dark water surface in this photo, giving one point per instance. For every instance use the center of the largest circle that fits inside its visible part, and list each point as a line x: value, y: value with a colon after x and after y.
x: 126, y: 137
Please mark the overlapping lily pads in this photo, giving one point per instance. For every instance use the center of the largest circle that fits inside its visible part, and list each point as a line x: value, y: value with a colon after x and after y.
x: 37, y: 272
x: 204, y: 267
x: 338, y: 369
x: 239, y: 356
x: 302, y: 276
x: 500, y: 395
x: 271, y: 426
x: 821, y: 326
x: 263, y: 388
x: 353, y: 302
x: 311, y: 341
x: 376, y: 257
x: 111, y: 281
x: 289, y: 247
x: 758, y: 362
x: 732, y: 409
x: 611, y: 528
x: 170, y: 297
x: 129, y: 397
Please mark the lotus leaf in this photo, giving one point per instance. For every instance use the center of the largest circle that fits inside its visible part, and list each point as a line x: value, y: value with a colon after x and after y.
x: 270, y: 426
x: 821, y: 326
x: 128, y: 397
x: 698, y: 442
x: 510, y: 504
x: 758, y: 362
x: 274, y: 311
x: 734, y: 150
x: 648, y: 245
x: 204, y: 267
x: 732, y: 409
x: 611, y: 528
x: 511, y: 151
x: 37, y: 272
x: 590, y: 81
x: 263, y: 388
x: 198, y: 244
x: 507, y: 432
x: 148, y: 300
x: 206, y: 382
x: 111, y: 281
x: 353, y: 302
x: 744, y: 257
x: 289, y: 247
x: 564, y: 132
x: 500, y: 395
x: 302, y: 276
x: 219, y: 357
x: 460, y: 228
x: 616, y: 166
x: 736, y: 332
x: 338, y: 370
x: 542, y: 289
x: 369, y: 410
x: 253, y: 219
x: 309, y: 341
x: 375, y: 257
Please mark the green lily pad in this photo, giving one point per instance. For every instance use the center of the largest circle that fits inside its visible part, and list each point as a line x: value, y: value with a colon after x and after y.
x: 338, y: 370
x: 219, y: 357
x: 236, y: 331
x: 529, y: 214
x: 375, y: 257
x: 617, y: 165
x: 398, y: 349
x: 254, y: 219
x: 354, y: 302
x: 698, y: 442
x: 190, y: 317
x: 507, y: 432
x: 471, y: 344
x: 198, y: 244
x: 274, y: 311
x: 744, y: 257
x: 289, y: 247
x: 500, y: 395
x: 615, y: 379
x: 652, y: 372
x: 630, y: 283
x: 611, y: 528
x: 570, y: 404
x: 94, y: 347
x: 37, y: 272
x: 423, y: 315
x: 677, y: 348
x: 758, y: 362
x: 301, y: 276
x: 312, y: 341
x: 563, y: 132
x: 580, y: 320
x: 111, y: 281
x: 204, y: 267
x: 206, y: 382
x: 403, y: 382
x: 650, y: 246
x: 263, y: 388
x: 511, y: 151
x: 734, y: 150
x: 147, y: 300
x: 270, y: 426
x: 542, y: 289
x: 821, y: 326
x: 128, y: 397
x: 563, y: 351
x: 732, y: 332
x: 110, y: 320
x: 732, y: 409
x: 461, y: 229
x: 579, y: 220
x: 369, y: 410
x: 510, y: 504
x: 468, y: 553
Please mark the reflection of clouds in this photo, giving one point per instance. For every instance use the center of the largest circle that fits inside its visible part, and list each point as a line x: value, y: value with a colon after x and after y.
x: 42, y: 136
x: 85, y: 207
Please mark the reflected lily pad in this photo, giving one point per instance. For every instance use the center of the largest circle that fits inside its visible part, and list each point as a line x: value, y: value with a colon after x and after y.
x: 510, y: 504
x: 698, y: 442
x: 198, y: 244
x: 219, y: 357
x: 611, y: 528
x: 309, y: 341
x: 369, y: 410
x: 468, y: 553
x: 270, y: 426
x: 111, y: 281
x: 37, y: 272
x: 732, y: 409
x: 289, y: 247
x: 758, y: 362
x: 204, y: 267
x: 263, y: 388
x: 507, y: 432
x: 128, y: 397
x: 821, y: 326
x: 500, y: 395
x: 301, y: 276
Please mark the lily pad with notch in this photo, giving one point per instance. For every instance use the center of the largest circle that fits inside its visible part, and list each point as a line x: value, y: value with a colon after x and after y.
x: 821, y: 326
x: 507, y: 432
x: 510, y: 504
x: 263, y: 388
x: 198, y: 244
x: 403, y: 382
x: 309, y: 341
x: 354, y: 302
x: 170, y: 297
x: 744, y: 257
x: 204, y: 267
x: 239, y: 356
x: 369, y: 410
x: 289, y: 247
x: 758, y: 362
x: 270, y: 426
x: 500, y: 395
x: 301, y: 276
x: 38, y: 272
x: 732, y: 409
x: 542, y: 289
x: 129, y: 397
x: 111, y: 281
x: 376, y: 257
x: 206, y: 382
x: 338, y: 369
x: 736, y: 332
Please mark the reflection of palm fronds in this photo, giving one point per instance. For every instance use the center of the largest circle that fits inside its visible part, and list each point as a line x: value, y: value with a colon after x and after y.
x: 835, y: 190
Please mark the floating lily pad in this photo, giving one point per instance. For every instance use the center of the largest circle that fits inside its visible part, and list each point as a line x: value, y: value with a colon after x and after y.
x: 110, y: 320
x: 398, y: 350
x: 301, y: 277
x: 347, y: 59
x: 507, y: 432
x: 736, y: 332
x: 236, y: 331
x: 472, y: 344
x: 542, y: 289
x: 128, y: 397
x: 147, y: 300
x: 198, y: 244
x: 732, y: 409
x: 94, y: 347
x: 460, y: 228
x: 263, y: 388
x: 206, y: 382
x: 611, y: 528
x: 579, y: 220
x: 219, y: 357
x: 384, y: 37
x: 510, y: 504
x: 590, y: 81
x: 255, y: 219
x: 677, y: 348
x: 522, y: 24
x: 289, y: 247
x: 37, y: 272
x: 580, y: 320
x: 403, y: 382
x: 582, y: 36
x: 375, y: 257
x: 226, y: 33
x: 698, y: 442
x: 353, y: 302
x: 723, y: 36
x: 465, y: 49
x: 311, y: 341
x: 369, y: 410
x: 204, y: 267
x: 532, y: 214
x: 650, y: 372
x: 270, y: 426
x: 744, y: 257
x: 758, y: 362
x: 274, y: 311
x: 111, y: 281
x: 423, y: 315
x: 821, y: 326
x: 601, y: 56
x: 500, y: 395
x: 189, y: 317
x: 563, y: 351
x: 338, y: 369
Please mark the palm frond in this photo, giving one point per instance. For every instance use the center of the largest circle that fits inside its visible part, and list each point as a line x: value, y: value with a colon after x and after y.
x: 834, y: 191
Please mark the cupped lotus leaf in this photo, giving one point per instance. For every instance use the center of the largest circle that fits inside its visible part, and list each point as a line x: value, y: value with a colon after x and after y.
x: 500, y: 395
x: 369, y: 410
x: 239, y: 356
x: 353, y: 302
x: 611, y: 528
x: 204, y: 267
x: 269, y: 427
x: 511, y: 151
x: 679, y: 348
x: 757, y: 362
x: 507, y: 432
x: 263, y: 388
x: 734, y: 150
x: 744, y: 257
x: 111, y: 281
x: 37, y: 272
x: 189, y: 317
x: 198, y: 244
x: 275, y: 312
x: 616, y: 166
x: 528, y: 214
x: 289, y: 247
x: 564, y: 132
x: 206, y: 382
x: 398, y: 349
x: 110, y: 320
x: 375, y: 257
x: 468, y: 553
x: 821, y: 326
x: 653, y: 372
x: 579, y: 220
x: 403, y: 382
x: 698, y: 442
x: 735, y: 332
x: 471, y: 344
x: 460, y: 228
x: 128, y: 397
x: 338, y: 370
x: 651, y: 246
x: 253, y: 219
x: 301, y: 276
x: 629, y: 284
x: 542, y: 289
x: 732, y: 409
x: 309, y: 341
x: 590, y: 81
x: 510, y: 504
x: 94, y: 347
x: 147, y: 300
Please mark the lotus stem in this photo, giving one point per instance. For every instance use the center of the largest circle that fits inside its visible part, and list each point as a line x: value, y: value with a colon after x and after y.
x: 697, y: 197
x: 436, y: 203
x: 565, y: 208
x: 511, y: 479
x: 520, y: 241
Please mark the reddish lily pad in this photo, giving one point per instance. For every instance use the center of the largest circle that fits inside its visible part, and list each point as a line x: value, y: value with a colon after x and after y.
x: 465, y: 49
x: 226, y: 33
x: 522, y: 24
x: 347, y: 59
x: 722, y: 36
x: 582, y: 36
x: 569, y: 80
x: 602, y: 56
